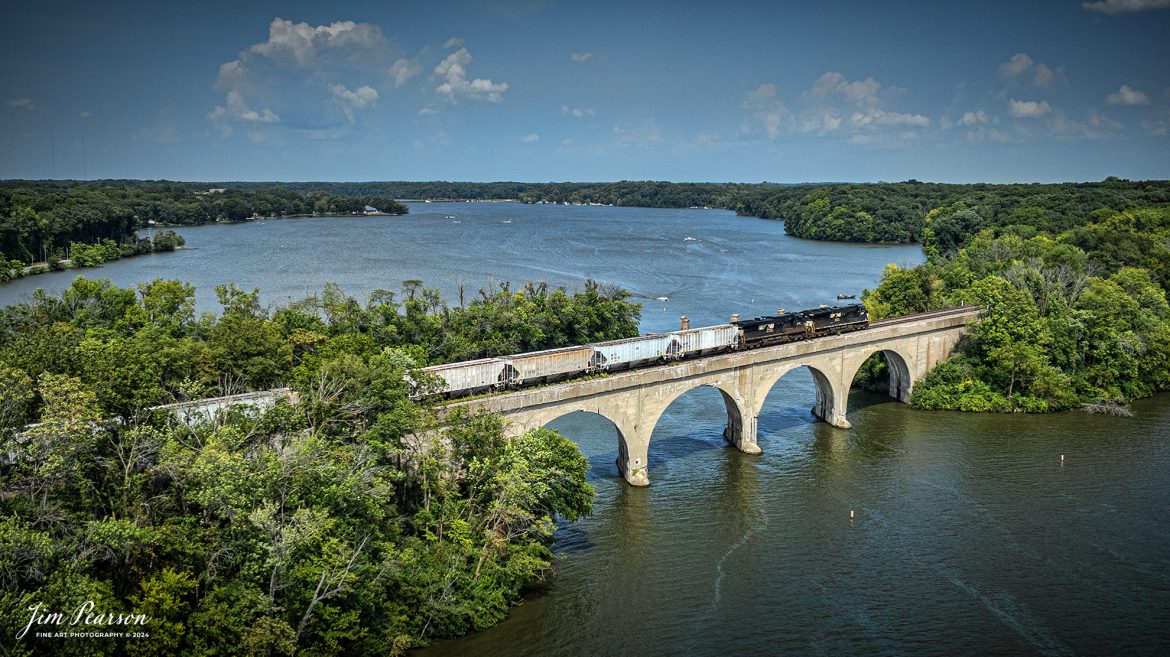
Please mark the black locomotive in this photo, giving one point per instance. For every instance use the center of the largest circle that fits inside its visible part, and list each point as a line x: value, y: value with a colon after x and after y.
x: 813, y: 323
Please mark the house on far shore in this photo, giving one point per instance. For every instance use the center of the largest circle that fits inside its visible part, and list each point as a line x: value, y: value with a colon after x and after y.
x: 369, y: 209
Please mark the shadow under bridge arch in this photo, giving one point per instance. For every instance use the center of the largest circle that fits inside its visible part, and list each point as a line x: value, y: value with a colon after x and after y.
x: 884, y: 370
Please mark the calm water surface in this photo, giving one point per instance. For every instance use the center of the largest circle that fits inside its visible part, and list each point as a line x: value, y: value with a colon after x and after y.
x: 730, y: 264
x: 970, y: 536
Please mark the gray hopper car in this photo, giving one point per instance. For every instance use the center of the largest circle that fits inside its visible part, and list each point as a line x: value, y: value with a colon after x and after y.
x: 706, y: 340
x: 631, y: 352
x: 547, y: 365
x: 471, y: 377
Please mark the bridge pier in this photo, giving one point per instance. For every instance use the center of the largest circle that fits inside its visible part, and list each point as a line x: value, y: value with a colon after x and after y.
x: 832, y: 400
x: 741, y: 427
x: 900, y: 382
x: 632, y: 460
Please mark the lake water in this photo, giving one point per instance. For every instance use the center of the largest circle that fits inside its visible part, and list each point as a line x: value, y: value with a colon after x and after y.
x: 730, y: 264
x: 970, y: 536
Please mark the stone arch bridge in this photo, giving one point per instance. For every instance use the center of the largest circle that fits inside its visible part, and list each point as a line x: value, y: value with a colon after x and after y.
x: 634, y: 400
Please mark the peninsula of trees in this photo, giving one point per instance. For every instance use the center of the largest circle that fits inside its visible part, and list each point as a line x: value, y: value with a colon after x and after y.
x: 1074, y: 314
x: 349, y: 520
x: 45, y: 221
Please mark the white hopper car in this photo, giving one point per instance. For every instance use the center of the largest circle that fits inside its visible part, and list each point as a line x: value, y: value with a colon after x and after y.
x: 472, y: 377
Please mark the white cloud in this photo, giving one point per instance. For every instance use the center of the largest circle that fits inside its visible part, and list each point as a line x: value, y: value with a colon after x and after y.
x: 1017, y: 65
x: 576, y: 112
x: 1043, y: 76
x: 349, y: 100
x: 878, y: 117
x: 765, y: 111
x: 822, y: 123
x: 1029, y: 109
x: 428, y: 111
x: 305, y: 45
x: 1156, y: 128
x: 530, y: 138
x: 302, y: 71
x: 1128, y: 96
x: 219, y: 118
x: 238, y: 110
x: 403, y: 70
x: 978, y: 117
x: 1102, y: 123
x: 26, y: 103
x: 453, y: 72
x: 645, y: 133
x: 834, y: 104
x: 1022, y: 66
x: 453, y: 42
x: 1096, y: 126
x: 580, y: 56
x: 1114, y: 7
x: 859, y: 92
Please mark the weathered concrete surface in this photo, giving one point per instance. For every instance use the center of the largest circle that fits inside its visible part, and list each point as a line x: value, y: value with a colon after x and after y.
x: 635, y: 400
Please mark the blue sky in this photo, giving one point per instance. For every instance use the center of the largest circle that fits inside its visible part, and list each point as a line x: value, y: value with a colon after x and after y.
x: 535, y: 90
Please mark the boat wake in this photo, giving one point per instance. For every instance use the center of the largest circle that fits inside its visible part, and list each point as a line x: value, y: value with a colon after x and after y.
x: 760, y: 525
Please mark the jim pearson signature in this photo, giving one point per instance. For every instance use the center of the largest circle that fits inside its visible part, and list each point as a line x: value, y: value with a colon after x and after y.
x: 83, y: 616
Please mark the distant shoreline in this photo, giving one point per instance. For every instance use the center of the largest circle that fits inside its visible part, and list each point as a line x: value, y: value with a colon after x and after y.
x: 67, y: 264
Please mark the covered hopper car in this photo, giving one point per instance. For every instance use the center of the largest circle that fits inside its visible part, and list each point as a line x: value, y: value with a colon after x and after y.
x: 486, y: 374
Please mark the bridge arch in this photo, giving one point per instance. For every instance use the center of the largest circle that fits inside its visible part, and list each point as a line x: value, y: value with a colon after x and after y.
x: 740, y: 429
x: 632, y: 449
x: 901, y: 372
x: 831, y: 395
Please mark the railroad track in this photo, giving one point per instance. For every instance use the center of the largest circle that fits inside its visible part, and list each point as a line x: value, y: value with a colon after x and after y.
x: 961, y: 310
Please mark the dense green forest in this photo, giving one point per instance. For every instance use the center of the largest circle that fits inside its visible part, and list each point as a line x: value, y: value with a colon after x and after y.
x: 1074, y: 314
x: 41, y: 220
x: 898, y: 212
x: 347, y: 521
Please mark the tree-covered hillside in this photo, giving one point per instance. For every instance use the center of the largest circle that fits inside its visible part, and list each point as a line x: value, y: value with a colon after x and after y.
x: 352, y: 520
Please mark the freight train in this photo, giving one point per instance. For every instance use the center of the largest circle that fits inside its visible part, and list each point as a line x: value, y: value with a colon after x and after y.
x: 509, y: 372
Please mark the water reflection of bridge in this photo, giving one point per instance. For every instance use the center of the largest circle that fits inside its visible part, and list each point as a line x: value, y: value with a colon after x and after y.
x: 634, y: 400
